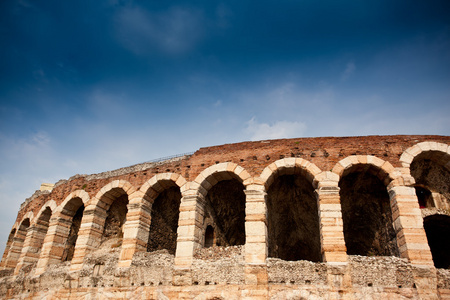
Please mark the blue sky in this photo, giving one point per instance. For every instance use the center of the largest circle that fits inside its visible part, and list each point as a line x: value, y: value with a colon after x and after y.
x: 91, y: 86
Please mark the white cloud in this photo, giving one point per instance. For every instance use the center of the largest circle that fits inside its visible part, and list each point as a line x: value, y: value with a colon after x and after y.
x: 349, y: 70
x: 276, y: 130
x: 173, y: 31
x: 223, y: 13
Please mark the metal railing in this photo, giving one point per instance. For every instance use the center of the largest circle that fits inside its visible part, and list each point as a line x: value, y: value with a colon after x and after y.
x: 169, y: 157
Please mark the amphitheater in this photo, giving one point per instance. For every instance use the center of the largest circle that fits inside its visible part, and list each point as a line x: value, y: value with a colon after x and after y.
x: 304, y: 218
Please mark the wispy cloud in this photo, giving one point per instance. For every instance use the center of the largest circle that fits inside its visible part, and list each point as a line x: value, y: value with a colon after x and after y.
x: 349, y: 70
x: 276, y: 130
x: 173, y: 31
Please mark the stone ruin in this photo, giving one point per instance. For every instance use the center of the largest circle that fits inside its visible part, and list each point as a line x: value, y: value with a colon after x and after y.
x: 306, y: 218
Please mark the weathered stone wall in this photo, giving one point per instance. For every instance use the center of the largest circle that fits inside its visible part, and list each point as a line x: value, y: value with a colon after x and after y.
x: 288, y: 216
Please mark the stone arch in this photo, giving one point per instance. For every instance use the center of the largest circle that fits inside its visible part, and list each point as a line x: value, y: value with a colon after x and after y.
x: 137, y: 226
x: 437, y: 228
x: 220, y: 189
x: 35, y: 238
x: 290, y: 166
x: 63, y: 230
x: 163, y: 193
x: 18, y: 241
x: 29, y: 215
x: 411, y: 153
x: 292, y: 209
x: 51, y: 204
x: 81, y: 194
x: 362, y: 163
x: 429, y: 164
x: 103, y: 197
x: 110, y: 206
x: 72, y: 211
x: 8, y: 245
x: 104, y: 220
x: 213, y: 174
x: 159, y: 182
x: 365, y: 202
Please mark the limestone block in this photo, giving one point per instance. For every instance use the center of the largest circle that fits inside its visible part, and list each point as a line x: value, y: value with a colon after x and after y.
x: 255, y: 208
x: 255, y: 239
x: 186, y: 231
x: 255, y: 250
x: 185, y: 248
x: 255, y: 228
x: 425, y: 146
x: 330, y: 214
x: 330, y: 207
x: 335, y: 256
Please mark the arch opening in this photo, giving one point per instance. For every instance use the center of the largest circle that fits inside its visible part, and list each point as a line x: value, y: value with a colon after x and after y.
x: 225, y: 212
x: 8, y: 247
x: 209, y: 237
x: 430, y: 174
x: 293, y: 220
x: 424, y: 197
x: 11, y: 235
x: 164, y: 220
x: 115, y: 216
x: 367, y: 215
x: 17, y: 243
x: 42, y: 225
x: 76, y: 214
x: 437, y: 229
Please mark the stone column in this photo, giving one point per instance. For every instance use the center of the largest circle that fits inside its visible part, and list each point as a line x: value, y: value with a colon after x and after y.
x: 135, y: 230
x: 54, y: 242
x: 411, y: 238
x: 6, y: 253
x: 334, y: 251
x: 16, y: 249
x: 89, y: 235
x: 256, y: 243
x: 408, y: 222
x: 32, y: 245
x: 189, y: 239
x: 331, y: 225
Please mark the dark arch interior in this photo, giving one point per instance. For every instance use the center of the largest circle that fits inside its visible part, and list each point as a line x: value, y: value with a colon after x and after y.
x: 24, y: 225
x: 9, y: 242
x: 430, y: 174
x: 11, y: 235
x: 225, y: 207
x: 424, y: 197
x: 209, y: 236
x: 367, y: 216
x: 116, y: 216
x: 437, y: 228
x: 69, y: 248
x: 45, y: 216
x: 164, y: 220
x: 293, y: 221
x: 42, y: 227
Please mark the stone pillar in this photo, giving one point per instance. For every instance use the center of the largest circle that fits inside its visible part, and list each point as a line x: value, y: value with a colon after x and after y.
x: 54, y: 242
x: 16, y: 249
x: 411, y: 238
x: 334, y: 251
x: 7, y: 248
x: 32, y: 245
x: 331, y: 225
x: 408, y: 222
x: 189, y: 239
x: 135, y: 230
x: 89, y: 235
x: 256, y: 243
